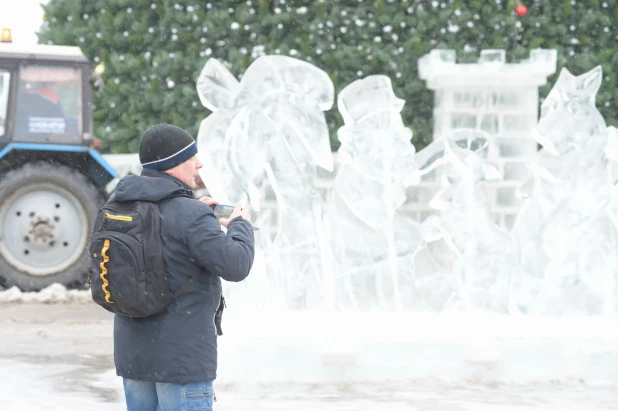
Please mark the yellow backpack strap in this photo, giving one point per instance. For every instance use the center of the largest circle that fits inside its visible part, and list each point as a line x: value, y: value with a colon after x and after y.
x: 105, y: 259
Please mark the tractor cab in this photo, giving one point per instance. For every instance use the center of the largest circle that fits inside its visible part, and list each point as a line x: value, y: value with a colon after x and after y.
x: 45, y: 95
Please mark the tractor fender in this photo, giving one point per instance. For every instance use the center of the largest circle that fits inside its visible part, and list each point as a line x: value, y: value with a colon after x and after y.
x: 86, y: 160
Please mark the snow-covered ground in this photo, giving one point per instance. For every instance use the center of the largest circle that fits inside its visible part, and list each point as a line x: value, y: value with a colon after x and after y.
x: 61, y: 387
x: 57, y: 355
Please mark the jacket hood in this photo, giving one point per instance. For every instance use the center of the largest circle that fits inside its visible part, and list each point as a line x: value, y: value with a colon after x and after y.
x: 152, y: 185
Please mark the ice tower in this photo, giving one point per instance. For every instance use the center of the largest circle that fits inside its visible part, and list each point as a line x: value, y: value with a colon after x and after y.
x: 498, y: 98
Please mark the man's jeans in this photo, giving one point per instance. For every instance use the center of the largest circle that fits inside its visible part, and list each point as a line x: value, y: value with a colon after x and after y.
x: 151, y: 396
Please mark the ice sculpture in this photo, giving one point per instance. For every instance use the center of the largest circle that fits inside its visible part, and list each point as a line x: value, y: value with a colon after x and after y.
x: 374, y: 245
x: 269, y: 129
x: 566, y: 232
x: 276, y: 107
x: 485, y: 260
x: 495, y: 96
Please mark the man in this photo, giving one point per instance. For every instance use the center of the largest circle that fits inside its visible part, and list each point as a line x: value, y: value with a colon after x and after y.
x: 169, y: 360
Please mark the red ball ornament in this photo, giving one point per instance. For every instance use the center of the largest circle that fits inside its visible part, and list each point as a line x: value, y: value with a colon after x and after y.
x: 521, y: 10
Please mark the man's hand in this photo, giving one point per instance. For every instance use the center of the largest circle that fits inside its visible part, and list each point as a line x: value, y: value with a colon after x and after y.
x: 208, y: 201
x: 239, y: 211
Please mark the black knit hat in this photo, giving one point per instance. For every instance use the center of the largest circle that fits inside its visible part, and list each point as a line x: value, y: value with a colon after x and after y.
x: 165, y: 146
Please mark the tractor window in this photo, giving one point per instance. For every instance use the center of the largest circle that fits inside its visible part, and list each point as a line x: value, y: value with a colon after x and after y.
x: 5, y: 82
x: 49, y: 104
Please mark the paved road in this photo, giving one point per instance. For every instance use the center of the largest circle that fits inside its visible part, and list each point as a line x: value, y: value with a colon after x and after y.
x: 59, y: 357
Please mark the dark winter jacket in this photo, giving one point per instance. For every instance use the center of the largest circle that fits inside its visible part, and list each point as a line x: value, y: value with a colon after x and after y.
x: 179, y: 345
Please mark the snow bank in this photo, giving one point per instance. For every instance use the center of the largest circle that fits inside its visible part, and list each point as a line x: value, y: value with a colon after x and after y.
x: 53, y: 294
x: 312, y: 346
x: 272, y: 346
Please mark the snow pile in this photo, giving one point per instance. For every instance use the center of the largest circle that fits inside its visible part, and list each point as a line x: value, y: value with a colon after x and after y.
x: 312, y: 347
x: 55, y: 293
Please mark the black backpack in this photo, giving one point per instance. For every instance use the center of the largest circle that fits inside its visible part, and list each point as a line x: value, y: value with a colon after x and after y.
x: 127, y: 270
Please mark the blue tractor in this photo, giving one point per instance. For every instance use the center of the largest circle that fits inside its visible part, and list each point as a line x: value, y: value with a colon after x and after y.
x: 52, y: 180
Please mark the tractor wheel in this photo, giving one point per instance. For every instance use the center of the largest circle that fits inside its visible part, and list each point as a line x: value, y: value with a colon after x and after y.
x: 46, y: 216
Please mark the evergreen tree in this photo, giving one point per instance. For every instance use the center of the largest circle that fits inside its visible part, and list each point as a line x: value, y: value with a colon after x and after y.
x: 154, y: 50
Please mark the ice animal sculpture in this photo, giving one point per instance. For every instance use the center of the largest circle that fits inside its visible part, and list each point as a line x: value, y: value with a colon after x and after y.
x: 566, y: 231
x: 485, y: 260
x: 269, y: 128
x: 373, y: 244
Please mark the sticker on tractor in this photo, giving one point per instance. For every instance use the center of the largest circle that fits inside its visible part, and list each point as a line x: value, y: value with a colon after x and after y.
x: 46, y: 125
